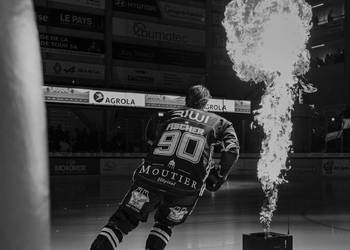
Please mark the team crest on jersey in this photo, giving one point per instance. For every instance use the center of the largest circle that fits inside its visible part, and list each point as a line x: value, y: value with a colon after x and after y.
x: 138, y: 198
x: 177, y: 213
x: 171, y: 164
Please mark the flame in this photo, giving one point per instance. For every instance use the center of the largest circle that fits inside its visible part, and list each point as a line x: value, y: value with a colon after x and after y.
x: 266, y: 41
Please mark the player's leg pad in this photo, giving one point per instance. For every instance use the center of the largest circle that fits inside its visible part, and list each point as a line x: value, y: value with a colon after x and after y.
x: 159, y: 237
x: 175, y: 209
x: 123, y: 220
x: 135, y: 207
x: 108, y: 239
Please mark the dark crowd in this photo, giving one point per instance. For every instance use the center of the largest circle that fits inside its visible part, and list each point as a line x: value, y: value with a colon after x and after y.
x: 84, y: 140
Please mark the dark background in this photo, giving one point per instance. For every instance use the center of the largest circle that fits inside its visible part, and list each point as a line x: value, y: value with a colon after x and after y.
x: 99, y: 44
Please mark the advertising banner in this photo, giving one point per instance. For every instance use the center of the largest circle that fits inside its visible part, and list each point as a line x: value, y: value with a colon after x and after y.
x: 139, y: 7
x: 242, y: 107
x: 74, y: 166
x: 53, y: 43
x: 129, y: 99
x: 220, y: 105
x: 229, y: 105
x: 336, y: 167
x: 162, y: 9
x: 158, y: 32
x: 66, y: 95
x: 215, y: 105
x: 98, y: 4
x: 157, y: 55
x: 148, y: 77
x: 182, y: 13
x: 69, y: 19
x: 74, y: 69
x: 164, y: 101
x: 173, y: 102
x: 112, y: 98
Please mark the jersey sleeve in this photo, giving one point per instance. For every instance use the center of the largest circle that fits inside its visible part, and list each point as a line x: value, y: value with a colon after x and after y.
x: 230, y: 148
x: 153, y: 127
x: 226, y: 136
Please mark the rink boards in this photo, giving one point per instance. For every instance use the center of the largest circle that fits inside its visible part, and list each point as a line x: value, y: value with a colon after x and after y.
x: 303, y: 165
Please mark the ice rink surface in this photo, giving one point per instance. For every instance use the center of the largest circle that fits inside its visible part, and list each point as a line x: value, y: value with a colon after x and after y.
x: 318, y: 212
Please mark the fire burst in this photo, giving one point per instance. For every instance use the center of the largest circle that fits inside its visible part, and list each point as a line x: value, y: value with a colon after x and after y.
x: 266, y: 41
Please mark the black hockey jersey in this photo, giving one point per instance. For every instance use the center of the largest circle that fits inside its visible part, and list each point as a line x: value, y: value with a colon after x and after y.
x: 182, y: 147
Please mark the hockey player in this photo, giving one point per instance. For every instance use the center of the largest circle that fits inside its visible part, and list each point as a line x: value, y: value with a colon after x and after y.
x: 175, y: 172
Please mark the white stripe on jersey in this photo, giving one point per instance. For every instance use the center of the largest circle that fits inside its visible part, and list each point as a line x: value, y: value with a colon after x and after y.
x: 110, y: 239
x: 110, y: 231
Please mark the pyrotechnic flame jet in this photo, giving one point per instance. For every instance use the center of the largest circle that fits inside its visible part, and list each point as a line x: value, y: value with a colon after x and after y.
x: 266, y: 42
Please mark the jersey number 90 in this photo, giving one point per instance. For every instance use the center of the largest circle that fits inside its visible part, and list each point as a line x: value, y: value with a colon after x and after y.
x: 187, y: 146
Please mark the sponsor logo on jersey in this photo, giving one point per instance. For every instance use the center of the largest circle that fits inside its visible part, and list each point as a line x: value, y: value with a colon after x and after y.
x: 167, y: 182
x: 167, y: 177
x: 192, y: 115
x: 138, y: 198
x: 177, y: 213
x: 171, y: 164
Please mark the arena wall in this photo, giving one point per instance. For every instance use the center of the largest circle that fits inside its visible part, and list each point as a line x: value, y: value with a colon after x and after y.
x: 303, y: 165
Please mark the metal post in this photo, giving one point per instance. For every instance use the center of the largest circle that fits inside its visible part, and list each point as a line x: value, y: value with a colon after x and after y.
x: 24, y: 192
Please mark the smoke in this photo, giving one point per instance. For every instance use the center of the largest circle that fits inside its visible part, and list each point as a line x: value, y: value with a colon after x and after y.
x: 266, y: 42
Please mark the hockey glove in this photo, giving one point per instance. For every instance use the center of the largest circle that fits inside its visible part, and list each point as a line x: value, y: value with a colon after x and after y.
x: 218, y: 174
x: 214, y: 180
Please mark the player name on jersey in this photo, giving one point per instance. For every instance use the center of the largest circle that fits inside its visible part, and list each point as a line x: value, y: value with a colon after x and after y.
x: 185, y: 127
